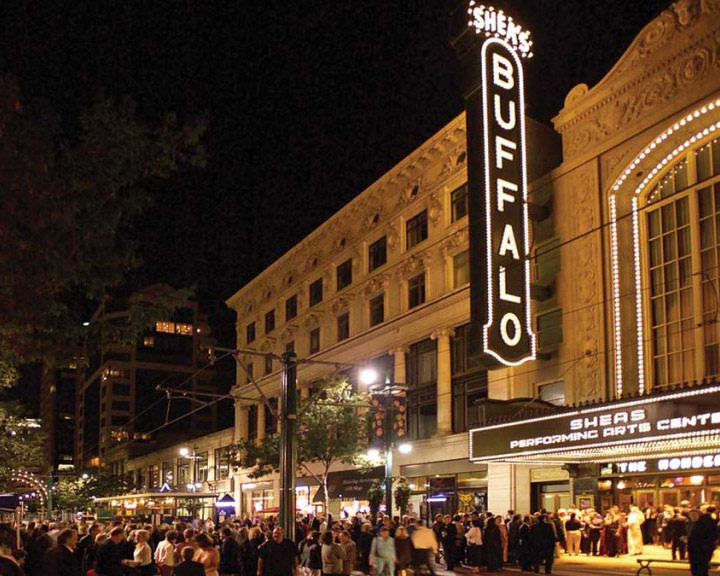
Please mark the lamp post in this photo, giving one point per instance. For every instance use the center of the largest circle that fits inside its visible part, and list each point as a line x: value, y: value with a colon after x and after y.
x: 369, y: 376
x: 288, y: 443
x: 193, y: 485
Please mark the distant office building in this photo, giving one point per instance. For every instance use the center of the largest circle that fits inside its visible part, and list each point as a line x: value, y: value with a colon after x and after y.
x: 120, y: 395
x: 57, y: 414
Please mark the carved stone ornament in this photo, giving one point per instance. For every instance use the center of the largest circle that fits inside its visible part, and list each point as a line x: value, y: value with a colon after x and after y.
x: 267, y: 344
x: 412, y: 191
x: 672, y: 54
x: 288, y: 332
x: 455, y: 240
x: 342, y: 302
x: 415, y: 264
x: 376, y: 284
x: 312, y: 320
x: 435, y: 208
x: 392, y: 236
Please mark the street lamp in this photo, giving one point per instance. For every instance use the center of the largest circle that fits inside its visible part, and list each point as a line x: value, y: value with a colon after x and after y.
x: 369, y: 376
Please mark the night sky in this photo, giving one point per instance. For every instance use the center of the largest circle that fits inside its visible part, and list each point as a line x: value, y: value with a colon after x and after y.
x: 308, y: 103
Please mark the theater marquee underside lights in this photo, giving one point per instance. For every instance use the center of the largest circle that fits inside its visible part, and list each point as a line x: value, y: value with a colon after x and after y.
x: 666, y: 426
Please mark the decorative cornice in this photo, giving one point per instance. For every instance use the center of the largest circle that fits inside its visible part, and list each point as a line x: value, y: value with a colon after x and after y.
x: 676, y: 50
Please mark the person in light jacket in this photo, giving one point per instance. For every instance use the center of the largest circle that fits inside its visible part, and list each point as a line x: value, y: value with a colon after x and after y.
x: 333, y: 556
x: 382, y: 553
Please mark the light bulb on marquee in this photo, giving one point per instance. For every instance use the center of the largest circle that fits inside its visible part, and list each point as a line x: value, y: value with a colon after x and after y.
x: 496, y: 24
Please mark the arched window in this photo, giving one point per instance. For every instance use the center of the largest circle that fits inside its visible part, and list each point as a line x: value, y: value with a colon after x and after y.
x: 681, y: 220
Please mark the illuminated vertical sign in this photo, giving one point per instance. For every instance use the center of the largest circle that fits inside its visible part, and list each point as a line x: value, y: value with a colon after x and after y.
x: 507, y: 331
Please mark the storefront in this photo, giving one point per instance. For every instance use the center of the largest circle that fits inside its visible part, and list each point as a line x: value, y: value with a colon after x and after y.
x: 449, y: 487
x: 158, y: 507
x: 347, y: 491
x: 651, y: 450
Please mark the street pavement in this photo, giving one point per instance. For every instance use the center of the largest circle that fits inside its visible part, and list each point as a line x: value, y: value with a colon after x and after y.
x: 601, y: 565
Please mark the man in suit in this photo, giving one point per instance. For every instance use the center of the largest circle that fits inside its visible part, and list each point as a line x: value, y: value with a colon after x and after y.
x: 188, y: 567
x: 701, y: 542
x: 108, y: 558
x: 449, y: 534
x: 61, y: 560
x: 542, y: 544
x: 229, y: 553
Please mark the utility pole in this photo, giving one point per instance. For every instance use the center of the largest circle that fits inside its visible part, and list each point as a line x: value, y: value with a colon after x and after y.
x: 288, y: 444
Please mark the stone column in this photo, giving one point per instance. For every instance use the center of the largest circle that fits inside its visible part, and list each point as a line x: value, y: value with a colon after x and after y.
x: 444, y: 380
x: 261, y: 421
x: 241, y: 421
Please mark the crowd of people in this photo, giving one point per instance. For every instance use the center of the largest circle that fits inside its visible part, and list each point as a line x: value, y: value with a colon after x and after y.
x: 353, y: 545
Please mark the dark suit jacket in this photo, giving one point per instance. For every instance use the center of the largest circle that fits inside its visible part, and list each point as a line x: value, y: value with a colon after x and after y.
x: 60, y: 561
x: 189, y: 569
x: 107, y: 559
x: 229, y: 556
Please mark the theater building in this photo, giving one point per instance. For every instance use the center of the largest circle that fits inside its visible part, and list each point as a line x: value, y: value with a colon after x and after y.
x: 616, y: 400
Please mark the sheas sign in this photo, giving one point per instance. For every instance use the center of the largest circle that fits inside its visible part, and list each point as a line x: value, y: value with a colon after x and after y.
x: 507, y: 334
x: 675, y: 421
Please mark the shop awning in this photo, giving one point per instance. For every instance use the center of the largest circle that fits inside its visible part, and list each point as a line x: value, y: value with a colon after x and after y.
x: 349, y: 484
x: 9, y: 502
x: 225, y: 501
x: 682, y: 421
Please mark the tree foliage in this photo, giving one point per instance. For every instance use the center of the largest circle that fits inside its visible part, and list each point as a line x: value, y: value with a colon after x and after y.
x: 21, y: 442
x: 71, y: 189
x: 74, y: 493
x: 332, y: 429
x: 402, y: 495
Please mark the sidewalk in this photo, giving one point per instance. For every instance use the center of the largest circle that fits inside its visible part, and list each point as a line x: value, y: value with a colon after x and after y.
x: 601, y: 565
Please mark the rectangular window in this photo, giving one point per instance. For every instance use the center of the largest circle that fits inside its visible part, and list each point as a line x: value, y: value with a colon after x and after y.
x: 343, y: 327
x: 269, y: 321
x: 377, y: 254
x: 316, y: 292
x: 252, y: 421
x: 459, y: 202
x: 377, y: 310
x: 416, y: 290
x: 553, y: 392
x: 119, y: 420
x: 290, y: 346
x: 291, y: 307
x: 547, y: 261
x: 222, y: 463
x: 250, y: 374
x: 549, y: 330
x: 120, y: 389
x: 183, y: 473
x: 271, y: 422
x: 202, y: 467
x: 314, y: 340
x: 461, y: 269
x: 250, y: 333
x: 422, y: 389
x: 121, y: 405
x: 268, y: 364
x: 416, y: 229
x: 344, y: 274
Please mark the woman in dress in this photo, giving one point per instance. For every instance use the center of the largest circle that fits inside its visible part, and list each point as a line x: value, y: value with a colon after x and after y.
x: 207, y: 554
x: 634, y: 531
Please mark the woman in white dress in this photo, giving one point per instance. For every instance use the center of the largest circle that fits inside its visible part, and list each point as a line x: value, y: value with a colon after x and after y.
x: 634, y: 533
